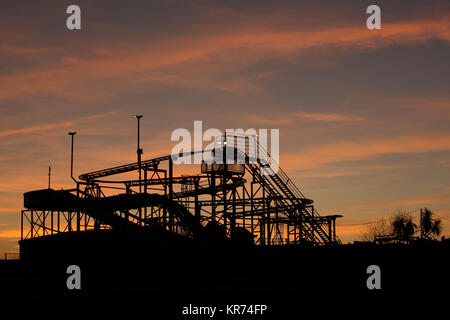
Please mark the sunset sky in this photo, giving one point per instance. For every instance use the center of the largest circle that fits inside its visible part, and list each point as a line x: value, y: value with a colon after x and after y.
x: 363, y: 114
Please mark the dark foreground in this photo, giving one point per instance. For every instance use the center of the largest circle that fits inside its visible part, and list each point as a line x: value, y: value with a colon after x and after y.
x: 168, y: 275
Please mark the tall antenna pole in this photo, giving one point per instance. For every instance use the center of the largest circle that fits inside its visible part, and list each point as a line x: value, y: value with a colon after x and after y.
x: 71, y: 157
x: 139, y: 150
x: 49, y: 173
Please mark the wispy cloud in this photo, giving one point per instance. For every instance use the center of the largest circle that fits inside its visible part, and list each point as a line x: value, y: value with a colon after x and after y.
x: 202, y: 60
x: 8, y: 210
x: 101, y: 115
x: 361, y: 149
x: 36, y: 128
x: 10, y: 233
x: 281, y: 119
x: 51, y: 126
x: 425, y: 200
x: 328, y: 117
x: 270, y: 120
x: 400, y: 202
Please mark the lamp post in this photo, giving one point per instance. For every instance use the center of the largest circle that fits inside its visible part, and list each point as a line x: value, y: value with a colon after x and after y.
x: 71, y: 157
x: 139, y: 150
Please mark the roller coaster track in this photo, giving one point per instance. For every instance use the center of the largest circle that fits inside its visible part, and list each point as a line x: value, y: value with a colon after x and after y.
x: 279, y: 186
x: 123, y: 168
x: 146, y: 164
x: 106, y: 209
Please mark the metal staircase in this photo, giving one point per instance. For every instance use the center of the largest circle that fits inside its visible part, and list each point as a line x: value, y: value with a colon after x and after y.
x: 283, y: 191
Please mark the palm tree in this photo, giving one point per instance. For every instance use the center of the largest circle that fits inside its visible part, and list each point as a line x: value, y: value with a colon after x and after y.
x: 430, y: 225
x: 403, y: 226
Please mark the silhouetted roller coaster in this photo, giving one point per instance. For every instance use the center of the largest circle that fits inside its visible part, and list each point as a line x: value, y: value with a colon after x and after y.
x: 245, y: 203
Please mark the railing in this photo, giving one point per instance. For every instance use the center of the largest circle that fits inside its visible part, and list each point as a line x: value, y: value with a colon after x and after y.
x: 266, y: 158
x: 263, y: 156
x: 10, y: 256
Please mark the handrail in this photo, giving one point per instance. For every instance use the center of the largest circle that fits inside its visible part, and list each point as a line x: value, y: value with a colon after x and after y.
x: 266, y: 158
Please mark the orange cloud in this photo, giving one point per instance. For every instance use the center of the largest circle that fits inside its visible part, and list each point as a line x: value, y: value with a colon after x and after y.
x: 10, y: 233
x: 36, y: 128
x: 347, y: 231
x: 424, y: 200
x: 289, y: 118
x: 364, y: 149
x: 8, y: 210
x: 273, y: 120
x: 400, y: 202
x: 328, y: 117
x: 17, y: 50
x: 213, y: 53
x: 55, y: 125
x: 101, y: 115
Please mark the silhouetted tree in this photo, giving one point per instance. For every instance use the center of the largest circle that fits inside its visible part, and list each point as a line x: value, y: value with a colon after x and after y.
x: 377, y: 230
x: 403, y: 226
x: 431, y: 226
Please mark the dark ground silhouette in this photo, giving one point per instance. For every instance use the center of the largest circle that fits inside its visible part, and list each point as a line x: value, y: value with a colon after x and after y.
x: 121, y: 266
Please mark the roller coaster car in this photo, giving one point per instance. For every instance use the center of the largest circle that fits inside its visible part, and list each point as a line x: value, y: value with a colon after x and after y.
x: 235, y: 168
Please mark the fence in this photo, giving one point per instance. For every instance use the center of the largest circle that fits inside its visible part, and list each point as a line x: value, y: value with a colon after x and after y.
x: 10, y: 256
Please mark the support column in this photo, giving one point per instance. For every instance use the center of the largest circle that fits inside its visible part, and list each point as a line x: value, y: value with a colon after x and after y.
x: 233, y: 218
x: 196, y: 205
x: 243, y: 206
x: 334, y: 230
x: 213, y: 195
x: 225, y: 202
x: 170, y: 191
x: 262, y: 219
x: 43, y: 223
x: 21, y: 225
x: 32, y: 224
x: 251, y: 206
x: 269, y: 233
x: 330, y: 231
